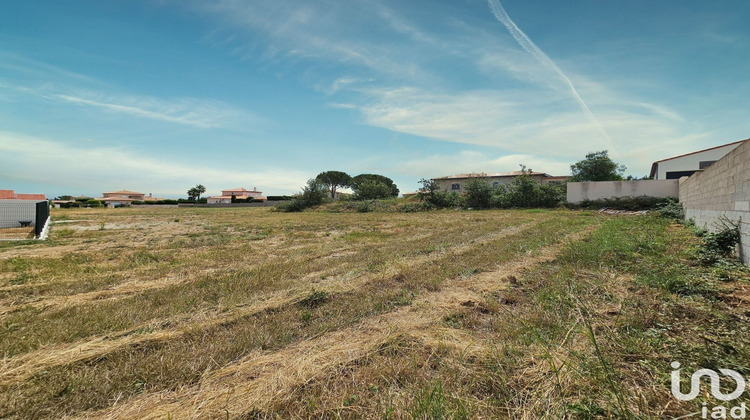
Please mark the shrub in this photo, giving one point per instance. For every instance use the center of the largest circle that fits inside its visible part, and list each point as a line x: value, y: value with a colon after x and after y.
x: 525, y: 192
x: 671, y: 210
x: 720, y: 244
x: 478, y: 193
x: 410, y: 207
x: 359, y: 180
x: 372, y: 190
x: 432, y: 197
x: 364, y: 207
x: 313, y: 194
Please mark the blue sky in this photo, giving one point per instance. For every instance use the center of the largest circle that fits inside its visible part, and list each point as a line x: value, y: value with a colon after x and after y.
x: 157, y: 96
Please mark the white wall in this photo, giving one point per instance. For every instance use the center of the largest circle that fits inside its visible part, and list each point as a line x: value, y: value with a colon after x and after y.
x: 12, y: 211
x: 580, y: 191
x: 691, y: 162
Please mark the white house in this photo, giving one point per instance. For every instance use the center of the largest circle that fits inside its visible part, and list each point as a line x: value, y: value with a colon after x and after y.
x: 238, y: 193
x: 689, y: 163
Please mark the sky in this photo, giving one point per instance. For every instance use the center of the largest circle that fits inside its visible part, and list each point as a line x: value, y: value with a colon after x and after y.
x: 158, y: 96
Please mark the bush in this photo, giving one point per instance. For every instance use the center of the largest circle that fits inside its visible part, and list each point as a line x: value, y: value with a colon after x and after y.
x: 410, y: 208
x: 525, y: 192
x: 391, y: 188
x: 478, y: 193
x: 720, y: 244
x: 93, y: 203
x: 364, y: 207
x: 313, y: 194
x: 294, y: 205
x: 671, y: 209
x: 372, y: 190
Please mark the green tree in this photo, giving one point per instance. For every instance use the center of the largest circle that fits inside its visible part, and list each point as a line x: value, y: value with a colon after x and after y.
x: 524, y: 191
x: 333, y: 180
x: 361, y: 178
x: 314, y: 193
x: 194, y: 194
x: 478, y: 192
x: 372, y: 190
x: 596, y: 167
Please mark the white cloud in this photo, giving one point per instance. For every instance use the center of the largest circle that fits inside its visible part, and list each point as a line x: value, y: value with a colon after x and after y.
x: 201, y: 113
x: 92, y: 169
x: 413, y: 80
x: 468, y: 161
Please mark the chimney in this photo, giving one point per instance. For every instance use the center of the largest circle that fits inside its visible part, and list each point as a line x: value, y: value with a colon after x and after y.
x: 255, y: 189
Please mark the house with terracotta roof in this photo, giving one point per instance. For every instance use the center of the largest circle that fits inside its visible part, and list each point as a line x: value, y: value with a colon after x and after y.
x: 456, y: 183
x: 238, y: 193
x: 689, y: 163
x: 11, y: 195
x: 124, y: 198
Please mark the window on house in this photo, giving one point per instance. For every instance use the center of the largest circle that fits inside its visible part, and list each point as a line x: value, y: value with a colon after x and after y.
x: 679, y: 174
x: 705, y: 164
x: 455, y: 186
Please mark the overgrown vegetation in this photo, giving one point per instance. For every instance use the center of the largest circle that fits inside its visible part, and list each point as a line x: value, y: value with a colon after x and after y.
x: 313, y: 194
x: 633, y: 204
x: 523, y: 192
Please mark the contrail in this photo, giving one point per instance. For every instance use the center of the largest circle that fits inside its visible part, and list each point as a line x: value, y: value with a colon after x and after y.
x: 531, y: 48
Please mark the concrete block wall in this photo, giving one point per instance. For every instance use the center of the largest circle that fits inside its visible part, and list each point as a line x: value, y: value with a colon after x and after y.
x: 579, y: 191
x: 722, y: 190
x: 13, y: 211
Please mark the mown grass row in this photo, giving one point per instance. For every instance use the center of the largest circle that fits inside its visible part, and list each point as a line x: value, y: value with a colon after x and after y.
x: 241, y: 275
x: 590, y: 335
x: 160, y: 365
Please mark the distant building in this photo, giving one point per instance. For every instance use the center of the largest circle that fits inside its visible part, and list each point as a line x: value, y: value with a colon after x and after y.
x: 456, y: 183
x: 124, y: 198
x: 238, y: 193
x: 685, y: 165
x: 11, y: 195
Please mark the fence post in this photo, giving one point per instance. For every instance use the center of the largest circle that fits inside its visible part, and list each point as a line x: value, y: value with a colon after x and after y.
x: 42, y: 214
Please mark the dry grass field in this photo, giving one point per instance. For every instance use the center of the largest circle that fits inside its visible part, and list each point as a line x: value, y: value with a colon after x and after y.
x: 247, y: 313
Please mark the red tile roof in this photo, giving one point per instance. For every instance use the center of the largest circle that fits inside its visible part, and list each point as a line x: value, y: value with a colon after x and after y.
x: 228, y: 197
x: 124, y: 192
x: 254, y: 190
x: 493, y: 175
x: 115, y: 199
x: 30, y: 197
x: 11, y: 195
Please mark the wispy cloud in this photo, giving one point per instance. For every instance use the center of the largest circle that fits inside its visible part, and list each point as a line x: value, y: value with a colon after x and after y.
x: 122, y: 168
x: 542, y: 126
x: 527, y: 44
x: 468, y: 161
x: 25, y: 67
x: 185, y: 111
x: 194, y: 112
